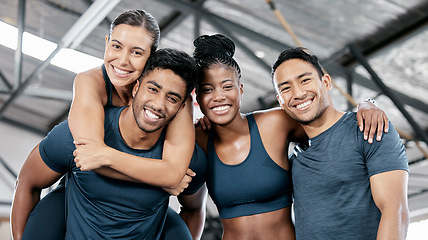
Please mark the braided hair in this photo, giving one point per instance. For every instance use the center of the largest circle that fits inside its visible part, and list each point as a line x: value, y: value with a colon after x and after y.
x: 215, y: 49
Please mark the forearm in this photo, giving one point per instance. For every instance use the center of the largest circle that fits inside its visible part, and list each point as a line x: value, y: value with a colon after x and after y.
x: 111, y: 173
x: 23, y: 203
x: 393, y: 224
x: 156, y: 172
x: 194, y: 220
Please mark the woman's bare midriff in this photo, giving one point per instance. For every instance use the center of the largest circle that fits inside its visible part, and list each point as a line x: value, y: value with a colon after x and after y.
x: 271, y: 225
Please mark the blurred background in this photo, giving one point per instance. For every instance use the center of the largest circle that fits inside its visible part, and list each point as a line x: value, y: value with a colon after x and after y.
x: 376, y: 49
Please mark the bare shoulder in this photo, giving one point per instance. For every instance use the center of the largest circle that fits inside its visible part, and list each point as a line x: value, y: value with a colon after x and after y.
x: 201, y: 137
x: 91, y: 81
x: 90, y: 77
x: 274, y: 118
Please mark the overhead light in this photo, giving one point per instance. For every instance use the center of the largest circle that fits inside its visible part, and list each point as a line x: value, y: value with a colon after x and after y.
x: 40, y: 49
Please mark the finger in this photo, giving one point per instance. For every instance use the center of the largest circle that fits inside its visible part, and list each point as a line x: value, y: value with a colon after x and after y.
x: 190, y: 172
x: 386, y: 122
x: 202, y: 123
x: 379, y: 129
x: 366, y: 128
x: 75, y: 153
x: 360, y: 120
x: 372, y: 130
x: 187, y: 179
x: 207, y: 122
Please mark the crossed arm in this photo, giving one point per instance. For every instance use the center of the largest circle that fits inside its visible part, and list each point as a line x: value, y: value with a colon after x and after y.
x: 389, y: 190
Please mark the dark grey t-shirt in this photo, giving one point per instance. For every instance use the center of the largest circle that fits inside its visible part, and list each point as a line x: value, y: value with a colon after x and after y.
x: 332, y: 196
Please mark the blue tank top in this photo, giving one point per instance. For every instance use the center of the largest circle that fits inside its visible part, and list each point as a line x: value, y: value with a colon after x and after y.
x: 257, y: 185
x: 109, y: 88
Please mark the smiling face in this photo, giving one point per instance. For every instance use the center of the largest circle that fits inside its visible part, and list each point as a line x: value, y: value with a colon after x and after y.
x: 126, y: 53
x: 300, y: 91
x: 219, y: 94
x: 158, y: 98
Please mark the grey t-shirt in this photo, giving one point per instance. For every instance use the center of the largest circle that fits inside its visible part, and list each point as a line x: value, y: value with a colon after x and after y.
x: 331, y: 186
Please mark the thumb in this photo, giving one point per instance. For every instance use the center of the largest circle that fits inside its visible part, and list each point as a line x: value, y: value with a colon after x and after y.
x: 190, y: 172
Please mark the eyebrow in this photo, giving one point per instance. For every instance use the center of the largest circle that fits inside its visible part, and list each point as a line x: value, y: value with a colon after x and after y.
x: 170, y: 92
x: 114, y: 40
x: 222, y: 82
x: 298, y: 77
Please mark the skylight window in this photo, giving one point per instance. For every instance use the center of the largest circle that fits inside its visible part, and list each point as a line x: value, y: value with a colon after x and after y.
x: 40, y: 49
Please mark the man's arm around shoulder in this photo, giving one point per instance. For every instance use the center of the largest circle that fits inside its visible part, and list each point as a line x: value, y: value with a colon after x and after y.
x: 389, y: 191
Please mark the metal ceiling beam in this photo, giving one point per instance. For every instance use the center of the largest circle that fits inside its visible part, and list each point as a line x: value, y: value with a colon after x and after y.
x: 49, y: 93
x: 387, y: 91
x: 6, y: 83
x: 18, y: 51
x: 189, y: 8
x: 77, y: 33
x: 417, y: 21
x: 8, y: 168
x: 174, y: 19
x: 368, y: 83
x: 25, y: 127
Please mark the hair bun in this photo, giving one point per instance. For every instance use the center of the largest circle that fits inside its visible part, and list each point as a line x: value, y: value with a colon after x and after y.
x: 208, y: 45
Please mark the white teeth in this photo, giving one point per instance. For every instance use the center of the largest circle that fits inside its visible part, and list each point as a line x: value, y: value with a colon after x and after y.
x: 151, y: 115
x: 303, y: 104
x: 220, y: 108
x: 120, y: 71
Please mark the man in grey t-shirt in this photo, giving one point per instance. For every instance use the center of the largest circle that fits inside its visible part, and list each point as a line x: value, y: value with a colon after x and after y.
x: 344, y: 187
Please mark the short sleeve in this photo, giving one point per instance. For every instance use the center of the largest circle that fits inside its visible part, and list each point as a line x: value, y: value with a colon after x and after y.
x: 387, y: 155
x: 199, y: 165
x: 56, y: 149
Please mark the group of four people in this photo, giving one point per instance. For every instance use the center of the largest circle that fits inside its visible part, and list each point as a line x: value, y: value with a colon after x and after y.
x: 117, y: 179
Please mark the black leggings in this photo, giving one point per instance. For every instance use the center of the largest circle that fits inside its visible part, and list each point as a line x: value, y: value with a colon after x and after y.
x: 47, y: 220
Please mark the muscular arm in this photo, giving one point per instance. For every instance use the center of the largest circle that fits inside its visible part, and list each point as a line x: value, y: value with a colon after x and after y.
x: 33, y: 177
x: 193, y: 211
x: 389, y: 191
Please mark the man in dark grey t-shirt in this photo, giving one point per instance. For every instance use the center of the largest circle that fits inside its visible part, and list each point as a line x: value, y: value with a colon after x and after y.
x: 344, y: 187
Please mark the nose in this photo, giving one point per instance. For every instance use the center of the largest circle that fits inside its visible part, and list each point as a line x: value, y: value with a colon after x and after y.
x: 123, y: 58
x: 299, y: 92
x: 158, y: 103
x: 218, y: 96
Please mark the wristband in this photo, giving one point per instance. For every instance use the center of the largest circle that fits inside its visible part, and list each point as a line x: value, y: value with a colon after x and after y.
x: 370, y: 100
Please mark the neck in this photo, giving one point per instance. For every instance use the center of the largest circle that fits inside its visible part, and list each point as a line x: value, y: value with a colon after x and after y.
x: 124, y: 95
x: 233, y: 130
x: 318, y: 126
x: 133, y: 136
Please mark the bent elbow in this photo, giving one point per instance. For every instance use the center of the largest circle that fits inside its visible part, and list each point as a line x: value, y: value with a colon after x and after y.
x: 174, y: 179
